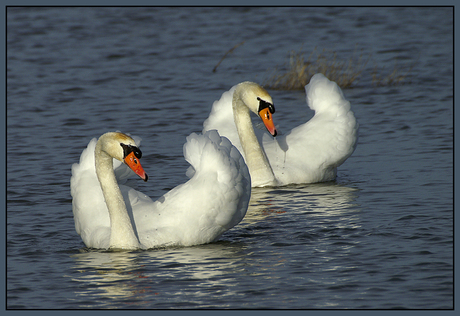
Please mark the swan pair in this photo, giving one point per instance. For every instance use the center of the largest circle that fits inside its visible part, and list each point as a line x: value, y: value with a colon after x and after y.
x: 216, y: 197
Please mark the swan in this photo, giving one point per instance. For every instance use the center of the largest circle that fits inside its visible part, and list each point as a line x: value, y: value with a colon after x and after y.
x: 109, y: 215
x: 309, y: 153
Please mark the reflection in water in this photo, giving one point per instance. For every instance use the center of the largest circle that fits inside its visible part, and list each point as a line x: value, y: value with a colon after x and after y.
x: 321, y: 199
x: 106, y: 274
x: 292, y: 220
x: 137, y: 278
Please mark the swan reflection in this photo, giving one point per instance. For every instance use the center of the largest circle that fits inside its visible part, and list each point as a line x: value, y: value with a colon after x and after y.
x: 138, y: 277
x: 106, y: 274
x: 302, y: 220
x: 317, y: 200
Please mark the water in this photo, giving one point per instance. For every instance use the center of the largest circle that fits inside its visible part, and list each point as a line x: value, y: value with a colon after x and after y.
x: 379, y: 237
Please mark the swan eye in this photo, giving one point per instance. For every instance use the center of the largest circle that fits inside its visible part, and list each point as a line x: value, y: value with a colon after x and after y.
x: 127, y: 149
x: 264, y: 104
x: 137, y: 152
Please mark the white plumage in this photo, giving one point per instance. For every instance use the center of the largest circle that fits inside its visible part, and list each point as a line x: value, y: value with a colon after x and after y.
x: 310, y: 152
x: 196, y: 212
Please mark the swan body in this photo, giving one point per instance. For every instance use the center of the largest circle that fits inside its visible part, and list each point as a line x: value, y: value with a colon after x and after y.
x: 309, y: 153
x: 109, y: 215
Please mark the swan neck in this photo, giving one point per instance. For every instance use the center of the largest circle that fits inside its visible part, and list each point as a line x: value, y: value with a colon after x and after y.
x: 122, y: 235
x: 256, y: 160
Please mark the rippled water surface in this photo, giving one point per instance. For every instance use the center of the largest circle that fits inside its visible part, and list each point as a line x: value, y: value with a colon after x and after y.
x: 379, y: 237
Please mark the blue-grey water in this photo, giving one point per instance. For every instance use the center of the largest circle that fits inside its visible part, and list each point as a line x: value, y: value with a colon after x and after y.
x: 379, y: 237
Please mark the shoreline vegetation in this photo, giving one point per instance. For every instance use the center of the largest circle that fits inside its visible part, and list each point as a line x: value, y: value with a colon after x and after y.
x: 297, y: 72
x: 345, y: 72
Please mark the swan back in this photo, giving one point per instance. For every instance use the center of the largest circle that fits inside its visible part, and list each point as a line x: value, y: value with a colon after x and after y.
x: 212, y: 201
x: 312, y: 151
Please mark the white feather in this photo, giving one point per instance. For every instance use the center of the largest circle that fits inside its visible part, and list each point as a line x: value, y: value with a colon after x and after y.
x: 196, y: 212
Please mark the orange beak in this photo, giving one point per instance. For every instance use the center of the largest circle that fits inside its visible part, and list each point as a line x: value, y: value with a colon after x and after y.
x: 266, y: 117
x: 135, y: 166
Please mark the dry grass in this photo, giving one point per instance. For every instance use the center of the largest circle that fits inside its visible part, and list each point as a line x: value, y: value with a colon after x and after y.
x: 225, y: 55
x: 298, y: 72
x: 396, y: 77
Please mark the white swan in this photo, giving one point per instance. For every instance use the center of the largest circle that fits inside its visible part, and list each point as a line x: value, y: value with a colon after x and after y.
x: 109, y: 215
x: 311, y: 152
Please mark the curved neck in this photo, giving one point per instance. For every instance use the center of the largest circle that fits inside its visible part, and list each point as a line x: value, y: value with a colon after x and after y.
x: 258, y: 165
x: 122, y: 235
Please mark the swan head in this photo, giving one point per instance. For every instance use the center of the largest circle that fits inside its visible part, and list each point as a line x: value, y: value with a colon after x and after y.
x: 123, y: 148
x: 258, y: 101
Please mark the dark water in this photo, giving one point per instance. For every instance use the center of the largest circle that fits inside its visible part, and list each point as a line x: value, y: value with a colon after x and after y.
x: 379, y: 237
